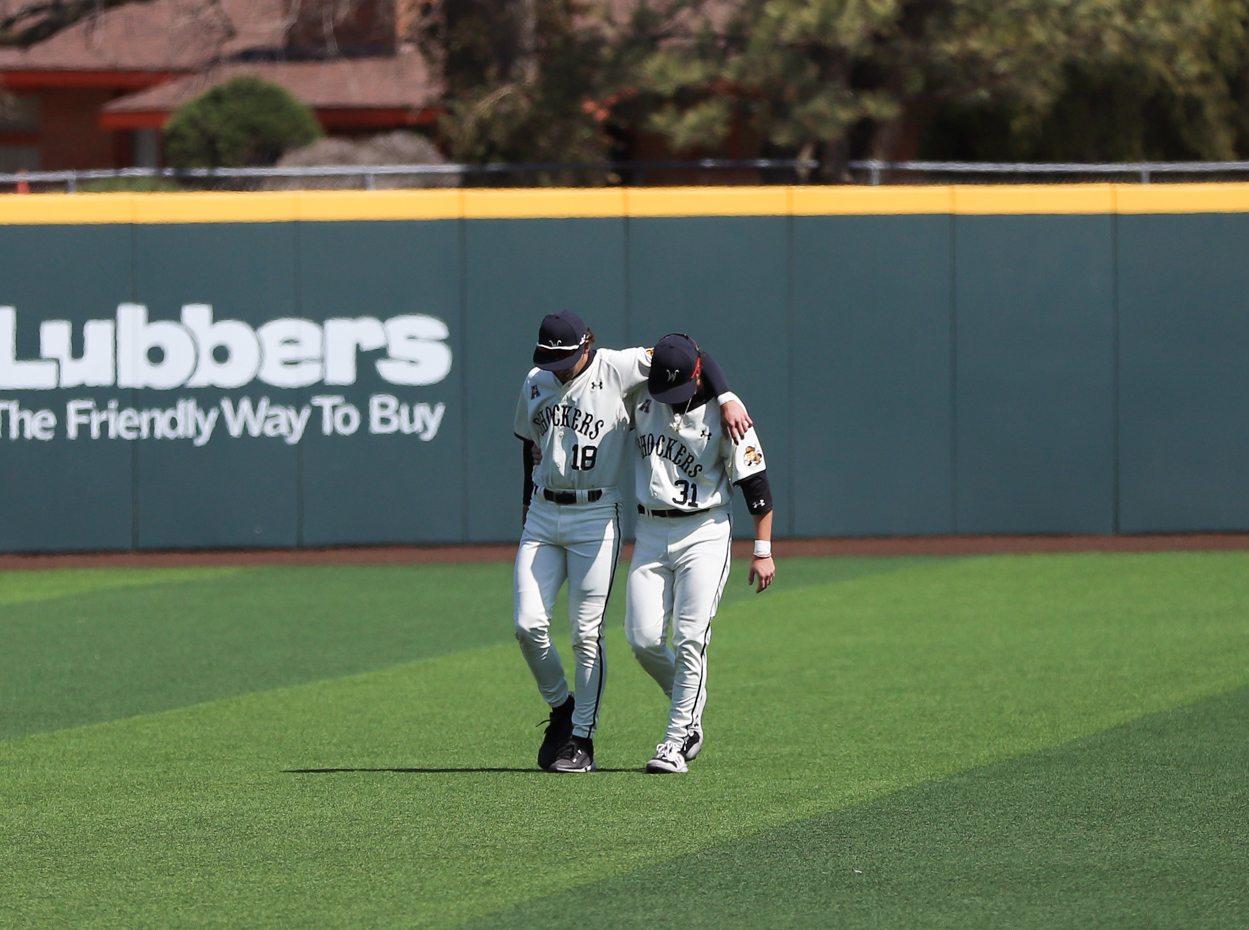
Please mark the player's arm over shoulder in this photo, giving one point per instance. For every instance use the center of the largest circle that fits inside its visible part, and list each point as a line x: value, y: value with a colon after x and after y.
x: 734, y: 419
x: 632, y: 366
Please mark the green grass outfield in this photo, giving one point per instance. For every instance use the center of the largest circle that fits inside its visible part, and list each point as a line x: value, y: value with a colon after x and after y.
x: 1018, y: 741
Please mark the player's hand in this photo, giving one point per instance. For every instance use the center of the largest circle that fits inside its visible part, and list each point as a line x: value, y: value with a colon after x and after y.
x: 734, y: 420
x: 536, y: 455
x: 762, y: 569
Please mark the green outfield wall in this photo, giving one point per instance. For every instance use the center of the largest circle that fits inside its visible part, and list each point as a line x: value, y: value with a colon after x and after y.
x: 319, y: 369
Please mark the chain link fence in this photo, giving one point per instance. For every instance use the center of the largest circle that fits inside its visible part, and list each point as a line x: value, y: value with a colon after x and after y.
x: 636, y: 173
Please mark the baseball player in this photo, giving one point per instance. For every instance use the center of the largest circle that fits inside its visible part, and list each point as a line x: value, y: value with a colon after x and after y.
x: 685, y: 481
x: 573, y: 411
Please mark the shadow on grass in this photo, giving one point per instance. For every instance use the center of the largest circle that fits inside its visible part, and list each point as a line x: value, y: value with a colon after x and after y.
x: 432, y: 771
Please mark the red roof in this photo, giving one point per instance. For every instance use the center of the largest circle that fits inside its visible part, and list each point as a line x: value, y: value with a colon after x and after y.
x: 401, y: 87
x: 162, y: 36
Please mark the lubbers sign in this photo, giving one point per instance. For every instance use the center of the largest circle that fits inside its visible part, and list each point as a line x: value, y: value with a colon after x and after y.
x: 197, y: 352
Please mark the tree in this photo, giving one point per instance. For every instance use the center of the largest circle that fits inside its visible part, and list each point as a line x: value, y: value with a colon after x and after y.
x: 833, y: 76
x: 1174, y: 94
x: 516, y: 77
x: 533, y: 80
x: 245, y: 121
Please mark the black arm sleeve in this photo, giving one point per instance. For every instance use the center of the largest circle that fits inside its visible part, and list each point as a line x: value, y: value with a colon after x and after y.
x: 713, y: 375
x: 528, y: 471
x: 758, y: 493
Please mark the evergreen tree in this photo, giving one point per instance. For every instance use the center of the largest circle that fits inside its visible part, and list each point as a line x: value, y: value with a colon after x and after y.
x: 535, y: 80
x: 1092, y: 79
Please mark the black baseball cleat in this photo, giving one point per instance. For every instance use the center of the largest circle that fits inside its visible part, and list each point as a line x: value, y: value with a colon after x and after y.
x: 558, y: 732
x: 577, y: 755
x: 693, y: 745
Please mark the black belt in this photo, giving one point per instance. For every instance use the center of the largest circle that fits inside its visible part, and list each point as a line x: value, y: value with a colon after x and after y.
x: 670, y: 513
x: 570, y: 497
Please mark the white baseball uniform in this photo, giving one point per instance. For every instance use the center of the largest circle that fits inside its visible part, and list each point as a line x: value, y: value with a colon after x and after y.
x: 684, y: 546
x: 582, y: 430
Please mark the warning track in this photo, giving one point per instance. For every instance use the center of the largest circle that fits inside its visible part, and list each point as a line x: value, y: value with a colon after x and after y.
x: 784, y: 548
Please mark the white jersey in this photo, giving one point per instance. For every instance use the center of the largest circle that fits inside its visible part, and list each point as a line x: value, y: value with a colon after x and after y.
x: 686, y: 461
x: 581, y: 427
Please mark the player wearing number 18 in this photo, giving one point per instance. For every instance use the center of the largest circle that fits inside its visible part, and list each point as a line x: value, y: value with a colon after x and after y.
x: 685, y: 480
x: 572, y: 408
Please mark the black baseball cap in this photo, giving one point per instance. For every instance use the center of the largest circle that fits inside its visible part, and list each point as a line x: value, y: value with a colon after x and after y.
x: 560, y: 338
x: 674, y: 365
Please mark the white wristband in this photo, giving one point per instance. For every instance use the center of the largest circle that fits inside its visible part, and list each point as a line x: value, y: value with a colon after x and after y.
x: 763, y: 549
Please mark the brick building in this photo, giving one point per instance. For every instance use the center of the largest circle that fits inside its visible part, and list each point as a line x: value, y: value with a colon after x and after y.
x: 96, y: 94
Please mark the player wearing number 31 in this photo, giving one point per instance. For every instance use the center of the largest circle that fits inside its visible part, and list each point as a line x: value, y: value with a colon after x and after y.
x: 684, y: 536
x: 573, y: 409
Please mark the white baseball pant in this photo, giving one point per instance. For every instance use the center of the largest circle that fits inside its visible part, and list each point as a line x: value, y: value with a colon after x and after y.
x: 579, y: 542
x: 679, y: 568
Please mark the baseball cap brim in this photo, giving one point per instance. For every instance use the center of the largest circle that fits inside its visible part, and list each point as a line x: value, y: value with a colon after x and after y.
x: 676, y: 395
x: 556, y: 360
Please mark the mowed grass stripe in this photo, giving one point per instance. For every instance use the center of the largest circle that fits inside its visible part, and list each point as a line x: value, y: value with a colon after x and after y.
x: 85, y: 646
x: 1139, y: 826
x: 115, y: 653
x: 822, y: 698
x: 25, y: 586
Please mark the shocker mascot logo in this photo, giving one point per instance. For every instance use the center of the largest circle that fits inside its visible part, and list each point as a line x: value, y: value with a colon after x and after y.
x: 753, y: 456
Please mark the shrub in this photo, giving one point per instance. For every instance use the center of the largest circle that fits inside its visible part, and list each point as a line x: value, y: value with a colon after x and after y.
x: 392, y: 148
x: 245, y: 121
